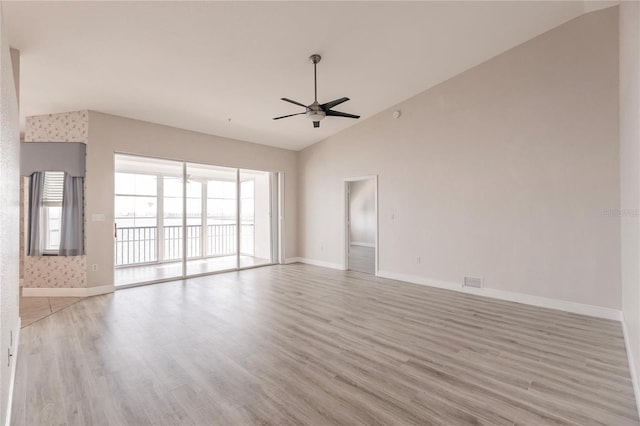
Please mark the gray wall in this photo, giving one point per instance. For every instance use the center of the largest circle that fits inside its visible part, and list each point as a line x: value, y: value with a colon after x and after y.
x: 508, y: 171
x: 630, y: 175
x: 109, y: 134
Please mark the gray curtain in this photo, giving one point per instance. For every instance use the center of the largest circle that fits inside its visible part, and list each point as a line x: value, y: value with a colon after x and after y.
x: 36, y: 188
x: 72, y: 230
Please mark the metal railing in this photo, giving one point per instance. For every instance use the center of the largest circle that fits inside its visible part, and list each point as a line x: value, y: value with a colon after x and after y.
x: 140, y: 245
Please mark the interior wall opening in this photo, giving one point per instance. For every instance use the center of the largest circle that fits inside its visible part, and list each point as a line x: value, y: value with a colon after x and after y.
x: 362, y: 225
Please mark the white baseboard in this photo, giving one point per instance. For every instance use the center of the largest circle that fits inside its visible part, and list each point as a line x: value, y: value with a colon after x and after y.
x: 355, y: 243
x: 632, y: 364
x: 543, y: 302
x: 67, y: 292
x: 103, y: 289
x: 292, y: 260
x: 322, y: 263
x: 12, y: 379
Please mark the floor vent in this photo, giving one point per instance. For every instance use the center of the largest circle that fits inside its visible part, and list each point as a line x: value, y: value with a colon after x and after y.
x: 472, y: 282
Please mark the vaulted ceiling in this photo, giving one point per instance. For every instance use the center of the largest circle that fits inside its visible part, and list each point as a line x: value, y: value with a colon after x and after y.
x: 222, y: 67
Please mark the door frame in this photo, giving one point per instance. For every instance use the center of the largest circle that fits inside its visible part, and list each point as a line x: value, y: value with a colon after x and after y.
x: 346, y: 224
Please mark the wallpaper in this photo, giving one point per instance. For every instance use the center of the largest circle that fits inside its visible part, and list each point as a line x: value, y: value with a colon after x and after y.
x: 64, y: 127
x: 53, y: 271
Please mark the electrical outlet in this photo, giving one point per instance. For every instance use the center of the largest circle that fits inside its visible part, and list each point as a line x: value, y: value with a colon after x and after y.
x: 94, y: 267
x: 418, y: 260
x: 322, y: 247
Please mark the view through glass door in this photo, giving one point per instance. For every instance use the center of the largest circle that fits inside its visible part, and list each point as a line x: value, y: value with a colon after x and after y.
x: 226, y: 219
x: 212, y: 218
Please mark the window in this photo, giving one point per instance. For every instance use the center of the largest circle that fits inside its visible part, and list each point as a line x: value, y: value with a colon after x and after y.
x: 136, y: 203
x: 136, y: 214
x: 221, y: 202
x: 52, y: 210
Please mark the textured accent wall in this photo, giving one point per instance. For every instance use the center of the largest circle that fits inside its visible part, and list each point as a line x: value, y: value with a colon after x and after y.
x: 9, y: 219
x: 63, y: 127
x: 53, y: 271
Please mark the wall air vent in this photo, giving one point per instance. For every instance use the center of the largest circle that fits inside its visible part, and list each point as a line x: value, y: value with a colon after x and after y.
x: 472, y: 282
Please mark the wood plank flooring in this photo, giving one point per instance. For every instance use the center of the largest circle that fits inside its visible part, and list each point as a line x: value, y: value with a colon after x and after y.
x: 299, y: 344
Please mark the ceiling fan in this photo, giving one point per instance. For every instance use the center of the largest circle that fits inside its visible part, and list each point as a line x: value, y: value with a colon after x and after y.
x: 316, y: 111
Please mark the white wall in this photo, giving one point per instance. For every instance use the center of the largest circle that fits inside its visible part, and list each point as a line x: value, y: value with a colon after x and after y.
x: 109, y: 134
x: 362, y: 213
x: 506, y: 172
x: 630, y: 175
x: 9, y: 217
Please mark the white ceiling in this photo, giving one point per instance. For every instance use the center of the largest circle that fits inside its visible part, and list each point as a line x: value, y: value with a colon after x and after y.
x: 195, y: 65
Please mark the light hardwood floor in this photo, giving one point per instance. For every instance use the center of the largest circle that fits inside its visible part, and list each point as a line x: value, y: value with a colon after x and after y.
x: 299, y: 344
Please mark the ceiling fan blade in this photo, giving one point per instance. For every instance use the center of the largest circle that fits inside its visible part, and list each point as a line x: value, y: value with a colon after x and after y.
x: 293, y: 102
x: 331, y: 104
x: 290, y: 115
x: 340, y: 114
x: 316, y: 124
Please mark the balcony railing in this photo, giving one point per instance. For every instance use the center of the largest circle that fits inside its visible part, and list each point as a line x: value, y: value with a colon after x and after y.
x: 141, y: 245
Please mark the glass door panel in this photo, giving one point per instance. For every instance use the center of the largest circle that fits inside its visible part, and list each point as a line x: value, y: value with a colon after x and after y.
x: 255, y: 218
x: 148, y: 220
x: 212, y: 219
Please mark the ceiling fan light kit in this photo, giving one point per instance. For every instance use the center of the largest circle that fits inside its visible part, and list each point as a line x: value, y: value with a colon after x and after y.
x: 317, y: 112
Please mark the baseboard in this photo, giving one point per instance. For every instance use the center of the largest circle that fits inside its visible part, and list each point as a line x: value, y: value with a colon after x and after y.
x: 543, y: 302
x: 103, y: 289
x: 322, y: 263
x: 632, y: 365
x: 292, y: 260
x: 12, y: 379
x: 67, y: 292
x: 354, y: 243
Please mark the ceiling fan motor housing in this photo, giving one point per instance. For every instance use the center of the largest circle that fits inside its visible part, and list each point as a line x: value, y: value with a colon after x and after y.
x: 315, y: 112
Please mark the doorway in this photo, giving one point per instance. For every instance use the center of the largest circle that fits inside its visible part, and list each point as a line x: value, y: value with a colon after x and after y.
x: 362, y: 224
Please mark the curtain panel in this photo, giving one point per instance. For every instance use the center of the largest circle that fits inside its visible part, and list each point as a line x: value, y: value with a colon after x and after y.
x: 72, y: 223
x: 35, y: 246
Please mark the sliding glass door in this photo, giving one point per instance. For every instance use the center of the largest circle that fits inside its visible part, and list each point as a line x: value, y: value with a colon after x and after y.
x: 213, y: 216
x: 148, y: 219
x: 177, y: 219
